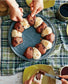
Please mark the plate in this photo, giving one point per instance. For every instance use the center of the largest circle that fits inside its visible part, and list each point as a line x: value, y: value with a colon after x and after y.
x: 30, y: 38
x: 33, y: 70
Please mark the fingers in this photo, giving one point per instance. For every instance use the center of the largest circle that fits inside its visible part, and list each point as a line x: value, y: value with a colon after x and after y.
x: 33, y: 9
x: 64, y: 76
x: 38, y: 10
x: 21, y: 9
x: 31, y: 78
x: 64, y: 81
x: 20, y: 18
x: 21, y: 14
x: 33, y: 12
x: 14, y: 18
x: 31, y: 6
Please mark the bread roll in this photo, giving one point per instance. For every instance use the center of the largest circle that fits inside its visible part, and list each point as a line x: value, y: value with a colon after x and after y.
x: 46, y: 31
x: 47, y: 44
x: 50, y: 37
x: 18, y: 27
x: 38, y: 22
x: 31, y: 19
x: 41, y: 27
x: 25, y: 23
x: 41, y: 48
x: 29, y: 53
x: 16, y: 41
x: 36, y: 53
x: 16, y: 33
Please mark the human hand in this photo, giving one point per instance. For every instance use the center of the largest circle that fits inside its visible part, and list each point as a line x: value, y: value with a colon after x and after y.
x: 32, y: 80
x: 63, y: 80
x: 36, y: 6
x: 16, y: 13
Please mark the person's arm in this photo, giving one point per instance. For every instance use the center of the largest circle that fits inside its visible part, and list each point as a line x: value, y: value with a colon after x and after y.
x: 12, y: 3
x: 63, y: 80
x: 16, y: 13
x: 36, y: 6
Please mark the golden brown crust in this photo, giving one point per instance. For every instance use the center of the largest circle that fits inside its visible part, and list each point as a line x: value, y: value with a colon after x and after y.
x: 29, y: 53
x: 47, y: 44
x: 16, y: 41
x: 41, y: 27
x: 41, y: 48
x: 50, y: 37
x: 38, y: 22
x: 31, y: 19
x: 19, y: 27
x: 46, y: 31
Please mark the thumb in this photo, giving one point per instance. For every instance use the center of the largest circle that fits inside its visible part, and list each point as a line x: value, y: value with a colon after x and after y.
x: 14, y: 18
x: 64, y: 81
x: 31, y: 79
x: 38, y: 10
x: 20, y: 18
x: 33, y: 12
x: 64, y: 76
x: 21, y: 9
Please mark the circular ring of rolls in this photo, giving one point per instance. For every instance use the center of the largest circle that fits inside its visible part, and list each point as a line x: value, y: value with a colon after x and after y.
x: 19, y: 27
x: 42, y: 28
